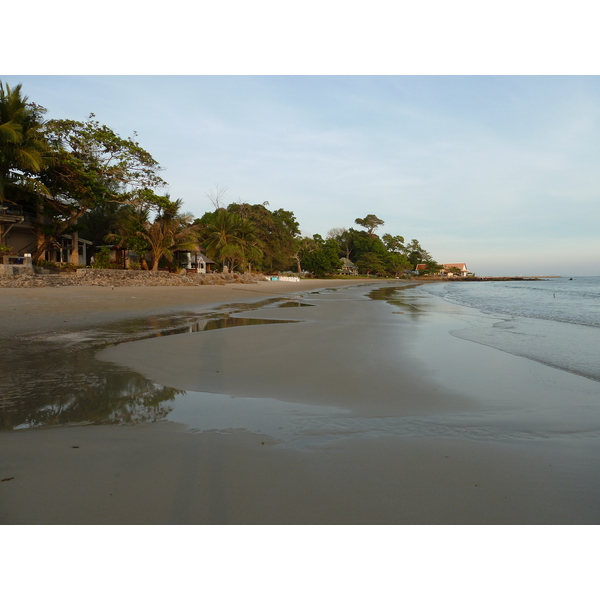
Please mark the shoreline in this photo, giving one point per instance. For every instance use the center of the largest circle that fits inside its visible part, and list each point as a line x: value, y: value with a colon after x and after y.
x: 382, y: 428
x: 47, y: 308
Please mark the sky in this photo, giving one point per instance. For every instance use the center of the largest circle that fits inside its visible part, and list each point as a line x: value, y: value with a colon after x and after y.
x: 500, y: 172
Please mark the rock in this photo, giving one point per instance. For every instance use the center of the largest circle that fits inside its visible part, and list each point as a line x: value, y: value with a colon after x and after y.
x: 119, y: 278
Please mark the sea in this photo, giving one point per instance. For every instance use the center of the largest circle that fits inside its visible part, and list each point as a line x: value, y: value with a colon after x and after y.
x: 554, y: 321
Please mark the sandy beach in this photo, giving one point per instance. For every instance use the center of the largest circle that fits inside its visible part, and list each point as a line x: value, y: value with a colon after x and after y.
x: 354, y: 411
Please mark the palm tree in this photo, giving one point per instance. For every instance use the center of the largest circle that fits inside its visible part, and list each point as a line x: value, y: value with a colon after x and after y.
x: 23, y: 148
x: 231, y: 239
x: 129, y: 230
x: 169, y: 231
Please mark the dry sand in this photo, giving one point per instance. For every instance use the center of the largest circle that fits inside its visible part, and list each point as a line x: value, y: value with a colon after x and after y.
x: 345, y: 421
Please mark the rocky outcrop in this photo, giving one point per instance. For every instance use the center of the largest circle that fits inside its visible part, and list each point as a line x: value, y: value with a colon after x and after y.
x: 118, y: 278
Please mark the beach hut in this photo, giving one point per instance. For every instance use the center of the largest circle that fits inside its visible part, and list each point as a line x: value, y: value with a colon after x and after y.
x: 194, y: 261
x: 348, y: 267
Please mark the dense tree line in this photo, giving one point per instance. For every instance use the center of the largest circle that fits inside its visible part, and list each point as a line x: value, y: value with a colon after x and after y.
x: 81, y: 178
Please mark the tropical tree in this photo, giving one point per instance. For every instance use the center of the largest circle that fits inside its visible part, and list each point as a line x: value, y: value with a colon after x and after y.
x: 370, y: 223
x: 278, y: 231
x: 371, y: 263
x: 229, y: 238
x: 303, y: 247
x: 343, y: 237
x: 431, y: 268
x: 24, y: 151
x: 129, y: 231
x: 416, y: 254
x: 393, y: 243
x: 92, y: 166
x: 170, y: 231
x: 397, y: 263
x: 321, y: 257
x: 361, y: 242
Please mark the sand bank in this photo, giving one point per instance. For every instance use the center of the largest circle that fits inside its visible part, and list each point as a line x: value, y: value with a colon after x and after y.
x: 360, y: 412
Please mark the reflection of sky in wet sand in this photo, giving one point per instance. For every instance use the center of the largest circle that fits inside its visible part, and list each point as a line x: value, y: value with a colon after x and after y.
x: 295, y: 425
x: 282, y: 421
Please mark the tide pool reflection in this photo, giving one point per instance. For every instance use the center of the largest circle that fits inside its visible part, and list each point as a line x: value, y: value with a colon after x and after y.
x: 54, y: 378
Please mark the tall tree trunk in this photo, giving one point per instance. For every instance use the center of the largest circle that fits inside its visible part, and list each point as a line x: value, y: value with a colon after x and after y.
x: 40, y: 237
x: 75, y: 248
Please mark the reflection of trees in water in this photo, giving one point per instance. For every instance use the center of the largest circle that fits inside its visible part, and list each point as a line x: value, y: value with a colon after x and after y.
x: 46, y: 381
x: 57, y: 387
x: 396, y: 296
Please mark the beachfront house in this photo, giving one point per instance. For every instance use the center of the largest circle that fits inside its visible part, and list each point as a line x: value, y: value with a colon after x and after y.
x: 455, y: 270
x: 18, y: 232
x: 348, y: 267
x: 194, y: 261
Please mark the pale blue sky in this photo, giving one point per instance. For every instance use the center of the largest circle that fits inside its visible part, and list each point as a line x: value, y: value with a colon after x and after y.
x: 498, y: 171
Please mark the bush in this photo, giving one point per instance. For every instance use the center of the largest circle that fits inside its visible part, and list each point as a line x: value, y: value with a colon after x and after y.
x: 102, y: 259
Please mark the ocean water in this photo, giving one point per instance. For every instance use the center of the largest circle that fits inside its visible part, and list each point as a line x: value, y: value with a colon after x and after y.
x: 555, y: 321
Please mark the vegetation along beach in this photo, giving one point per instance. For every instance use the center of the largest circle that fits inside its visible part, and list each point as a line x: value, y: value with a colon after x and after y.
x: 164, y: 368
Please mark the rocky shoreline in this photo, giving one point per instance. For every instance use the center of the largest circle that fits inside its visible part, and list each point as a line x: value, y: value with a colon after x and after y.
x: 117, y: 278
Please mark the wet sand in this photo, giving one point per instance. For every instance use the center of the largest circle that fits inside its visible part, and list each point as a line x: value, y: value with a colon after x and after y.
x: 358, y: 413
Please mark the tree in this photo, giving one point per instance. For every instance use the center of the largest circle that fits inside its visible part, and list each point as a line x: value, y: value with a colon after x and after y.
x: 229, y: 238
x: 397, y: 263
x: 169, y: 231
x: 416, y: 254
x: 431, y: 268
x: 361, y: 243
x: 129, y: 231
x: 92, y: 166
x: 393, y: 243
x: 217, y: 196
x: 370, y: 223
x: 303, y: 247
x: 277, y: 230
x: 24, y: 151
x: 322, y: 256
x: 369, y: 263
x: 343, y: 237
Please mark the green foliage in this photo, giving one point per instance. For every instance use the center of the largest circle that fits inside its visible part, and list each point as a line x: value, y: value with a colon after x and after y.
x: 229, y: 238
x: 393, y: 243
x: 321, y: 257
x: 92, y: 167
x: 397, y: 263
x: 431, y: 268
x: 363, y: 243
x: 370, y: 223
x: 170, y: 231
x: 102, y: 258
x: 371, y: 264
x: 416, y: 254
x: 24, y: 151
x: 277, y: 230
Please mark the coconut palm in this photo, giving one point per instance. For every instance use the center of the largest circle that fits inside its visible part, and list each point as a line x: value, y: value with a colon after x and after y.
x: 129, y: 230
x: 23, y: 148
x: 230, y: 239
x: 170, y: 231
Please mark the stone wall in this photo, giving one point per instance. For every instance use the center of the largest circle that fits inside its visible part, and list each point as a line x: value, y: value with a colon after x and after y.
x: 121, y: 278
